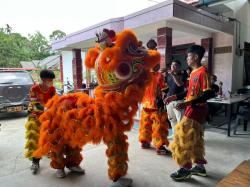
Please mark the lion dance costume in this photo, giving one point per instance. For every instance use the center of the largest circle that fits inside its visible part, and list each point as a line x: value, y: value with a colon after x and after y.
x: 38, y: 99
x: 154, y: 124
x: 188, y: 144
x: 73, y: 120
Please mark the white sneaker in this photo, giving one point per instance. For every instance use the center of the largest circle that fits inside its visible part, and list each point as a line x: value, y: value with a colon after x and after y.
x: 60, y: 173
x: 77, y: 169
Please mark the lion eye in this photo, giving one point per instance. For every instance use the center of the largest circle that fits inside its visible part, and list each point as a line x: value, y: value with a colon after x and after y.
x: 124, y: 71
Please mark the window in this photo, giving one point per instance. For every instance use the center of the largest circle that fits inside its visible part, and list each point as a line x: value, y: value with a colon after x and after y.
x: 15, y: 78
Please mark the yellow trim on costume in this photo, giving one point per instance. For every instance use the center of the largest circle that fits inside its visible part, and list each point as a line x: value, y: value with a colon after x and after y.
x: 188, y: 143
x: 32, y: 127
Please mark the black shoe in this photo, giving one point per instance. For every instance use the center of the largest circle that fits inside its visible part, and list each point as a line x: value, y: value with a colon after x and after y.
x: 181, y: 174
x: 163, y: 151
x: 145, y: 145
x: 35, y: 167
x: 197, y: 170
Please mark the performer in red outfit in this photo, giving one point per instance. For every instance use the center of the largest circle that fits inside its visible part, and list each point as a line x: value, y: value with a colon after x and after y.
x: 40, y: 93
x: 199, y: 83
x: 39, y: 96
x: 154, y: 124
x: 188, y: 144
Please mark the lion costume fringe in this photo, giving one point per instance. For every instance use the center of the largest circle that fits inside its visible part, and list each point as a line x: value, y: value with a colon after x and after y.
x: 74, y: 120
x: 154, y: 120
x: 188, y: 144
x: 38, y: 98
x: 32, y: 127
x: 154, y: 126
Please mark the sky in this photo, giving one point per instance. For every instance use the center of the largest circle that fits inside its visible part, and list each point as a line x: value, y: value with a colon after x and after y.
x: 28, y: 16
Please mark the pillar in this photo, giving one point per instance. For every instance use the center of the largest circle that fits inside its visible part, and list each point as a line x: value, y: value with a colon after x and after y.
x: 61, y: 69
x: 164, y: 41
x: 77, y: 68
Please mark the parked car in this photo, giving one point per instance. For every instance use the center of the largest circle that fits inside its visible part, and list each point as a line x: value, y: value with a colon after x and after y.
x: 14, y: 90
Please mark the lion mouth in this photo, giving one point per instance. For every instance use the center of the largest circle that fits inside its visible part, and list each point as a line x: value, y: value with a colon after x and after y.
x: 139, y: 78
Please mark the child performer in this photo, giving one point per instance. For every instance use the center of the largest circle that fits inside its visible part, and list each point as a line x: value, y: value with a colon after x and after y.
x: 39, y: 95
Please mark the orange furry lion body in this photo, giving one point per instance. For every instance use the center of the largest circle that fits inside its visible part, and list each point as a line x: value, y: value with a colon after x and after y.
x: 76, y: 119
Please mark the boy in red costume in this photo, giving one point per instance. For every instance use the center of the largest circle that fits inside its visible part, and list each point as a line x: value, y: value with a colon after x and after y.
x: 188, y: 144
x: 39, y: 96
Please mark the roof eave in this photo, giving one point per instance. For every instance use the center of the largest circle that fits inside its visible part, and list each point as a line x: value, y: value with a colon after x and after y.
x: 164, y: 11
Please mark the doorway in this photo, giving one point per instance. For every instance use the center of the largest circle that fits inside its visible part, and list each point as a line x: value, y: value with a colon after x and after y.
x: 179, y: 52
x: 247, y: 63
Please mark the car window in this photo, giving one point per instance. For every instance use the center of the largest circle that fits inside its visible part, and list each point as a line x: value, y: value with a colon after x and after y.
x: 15, y: 78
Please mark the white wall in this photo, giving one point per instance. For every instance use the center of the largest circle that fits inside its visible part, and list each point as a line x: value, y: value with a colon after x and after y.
x: 83, y: 54
x: 241, y: 11
x: 223, y: 62
x: 67, y: 57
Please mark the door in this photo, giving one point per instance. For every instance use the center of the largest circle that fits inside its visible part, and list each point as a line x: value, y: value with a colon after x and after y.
x: 247, y: 63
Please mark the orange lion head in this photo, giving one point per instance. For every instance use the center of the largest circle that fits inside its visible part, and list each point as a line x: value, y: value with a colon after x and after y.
x: 124, y: 62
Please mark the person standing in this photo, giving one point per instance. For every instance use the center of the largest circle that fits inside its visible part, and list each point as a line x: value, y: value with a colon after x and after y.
x: 153, y: 121
x: 213, y: 108
x: 175, y: 80
x: 188, y: 143
x: 39, y: 96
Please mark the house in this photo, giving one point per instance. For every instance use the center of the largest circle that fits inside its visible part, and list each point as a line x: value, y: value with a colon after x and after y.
x: 51, y: 62
x: 29, y: 64
x: 221, y: 26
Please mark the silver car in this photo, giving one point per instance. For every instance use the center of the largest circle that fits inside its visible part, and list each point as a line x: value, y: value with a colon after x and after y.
x: 14, y: 90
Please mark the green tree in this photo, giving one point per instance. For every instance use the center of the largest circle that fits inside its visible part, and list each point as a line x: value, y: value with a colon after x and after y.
x: 57, y: 34
x: 39, y: 46
x: 13, y: 49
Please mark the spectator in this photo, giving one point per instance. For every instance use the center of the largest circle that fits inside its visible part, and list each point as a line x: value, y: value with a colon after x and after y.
x: 213, y: 108
x: 214, y: 86
x: 175, y: 80
x: 188, y: 71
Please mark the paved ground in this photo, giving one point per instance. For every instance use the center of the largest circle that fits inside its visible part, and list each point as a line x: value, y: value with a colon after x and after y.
x: 145, y: 167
